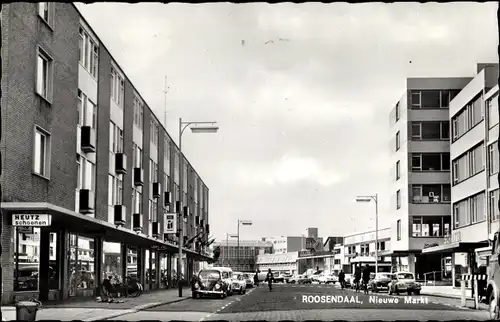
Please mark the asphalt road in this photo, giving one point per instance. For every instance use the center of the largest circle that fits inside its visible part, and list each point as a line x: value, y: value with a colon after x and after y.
x: 300, y: 302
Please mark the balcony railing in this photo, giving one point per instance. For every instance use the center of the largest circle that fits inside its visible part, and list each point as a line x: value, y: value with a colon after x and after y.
x: 434, y: 199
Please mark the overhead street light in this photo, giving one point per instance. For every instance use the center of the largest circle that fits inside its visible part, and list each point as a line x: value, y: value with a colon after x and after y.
x: 370, y: 199
x: 244, y: 223
x: 204, y: 128
x: 227, y: 246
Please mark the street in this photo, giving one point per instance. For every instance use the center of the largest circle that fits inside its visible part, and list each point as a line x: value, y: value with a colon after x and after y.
x: 285, y: 302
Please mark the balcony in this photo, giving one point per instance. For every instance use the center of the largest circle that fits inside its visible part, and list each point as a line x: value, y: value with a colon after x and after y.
x: 432, y: 199
x: 120, y: 163
x: 87, y: 201
x: 88, y: 139
x: 156, y: 190
x: 137, y: 222
x: 155, y: 227
x: 138, y: 177
x: 167, y: 198
x: 120, y: 212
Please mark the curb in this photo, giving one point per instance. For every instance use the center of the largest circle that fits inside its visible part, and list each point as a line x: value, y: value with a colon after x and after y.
x: 135, y: 309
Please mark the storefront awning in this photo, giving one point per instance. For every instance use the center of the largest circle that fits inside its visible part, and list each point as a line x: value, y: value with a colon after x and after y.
x: 79, y: 223
x: 454, y: 247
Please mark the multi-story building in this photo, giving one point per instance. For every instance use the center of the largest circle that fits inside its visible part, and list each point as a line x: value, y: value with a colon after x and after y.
x: 420, y: 176
x: 286, y: 244
x: 474, y: 170
x: 359, y: 250
x: 278, y: 262
x: 335, y: 262
x: 246, y: 260
x: 81, y: 145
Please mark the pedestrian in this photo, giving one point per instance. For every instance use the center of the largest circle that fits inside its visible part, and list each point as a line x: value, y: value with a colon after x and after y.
x: 269, y: 279
x: 366, y: 278
x: 357, y: 278
x: 256, y: 279
x: 342, y: 279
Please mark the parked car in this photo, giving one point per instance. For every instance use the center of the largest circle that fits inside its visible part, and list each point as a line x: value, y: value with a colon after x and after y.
x: 212, y: 281
x: 287, y: 277
x: 328, y: 278
x: 380, y: 282
x: 348, y: 280
x: 315, y: 277
x: 300, y: 279
x: 249, y: 279
x: 278, y: 278
x: 404, y: 282
x: 238, y: 283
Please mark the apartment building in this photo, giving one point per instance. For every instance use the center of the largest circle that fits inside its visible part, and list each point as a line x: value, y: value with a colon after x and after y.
x: 82, y: 147
x: 359, y: 250
x: 420, y: 176
x: 242, y: 256
x: 474, y: 170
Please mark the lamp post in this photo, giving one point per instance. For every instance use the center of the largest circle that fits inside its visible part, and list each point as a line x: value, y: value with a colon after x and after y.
x: 198, y: 129
x: 375, y: 199
x: 244, y: 223
x: 227, y: 247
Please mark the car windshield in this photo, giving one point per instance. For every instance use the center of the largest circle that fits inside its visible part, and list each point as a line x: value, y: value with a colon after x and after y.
x: 210, y: 274
x: 384, y: 275
x: 405, y: 276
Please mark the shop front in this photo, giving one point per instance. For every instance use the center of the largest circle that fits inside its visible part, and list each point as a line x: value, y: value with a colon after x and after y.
x: 73, y: 255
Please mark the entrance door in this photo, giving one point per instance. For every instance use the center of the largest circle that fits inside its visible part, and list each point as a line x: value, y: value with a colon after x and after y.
x: 73, y: 265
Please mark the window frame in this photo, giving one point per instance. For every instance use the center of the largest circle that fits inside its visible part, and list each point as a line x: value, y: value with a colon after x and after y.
x: 398, y: 116
x: 419, y: 126
x: 49, y: 79
x: 49, y: 20
x: 398, y: 199
x: 441, y: 124
x: 117, y: 87
x: 398, y: 229
x: 398, y: 170
x: 419, y: 156
x: 47, y: 152
x: 419, y: 94
x: 491, y: 159
x: 398, y: 140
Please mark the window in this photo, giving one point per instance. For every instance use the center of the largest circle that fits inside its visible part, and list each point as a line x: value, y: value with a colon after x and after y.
x: 398, y: 143
x: 136, y: 201
x: 493, y: 158
x: 137, y: 155
x: 117, y: 87
x: 494, y: 210
x: 115, y: 191
x: 398, y: 199
x: 397, y: 112
x: 468, y: 164
x: 431, y: 193
x: 430, y: 130
x: 398, y: 170
x: 468, y: 117
x: 430, y: 162
x: 138, y: 113
x: 166, y: 156
x: 44, y: 74
x: 153, y: 172
x: 44, y: 11
x: 416, y: 130
x: 87, y: 176
x: 176, y: 167
x: 445, y: 130
x: 432, y: 99
x: 469, y: 211
x: 153, y: 210
x: 398, y: 228
x: 87, y: 111
x: 88, y: 52
x: 430, y: 226
x: 115, y: 138
x: 27, y: 260
x: 415, y: 99
x: 493, y: 118
x: 41, y: 152
x: 154, y: 132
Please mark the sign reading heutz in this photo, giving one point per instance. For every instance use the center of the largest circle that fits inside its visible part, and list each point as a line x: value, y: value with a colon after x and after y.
x: 170, y: 223
x: 34, y: 220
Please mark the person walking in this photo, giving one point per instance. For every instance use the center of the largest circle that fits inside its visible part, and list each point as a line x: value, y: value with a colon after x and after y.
x: 256, y: 279
x: 269, y: 280
x: 357, y: 278
x: 366, y: 278
x: 342, y: 279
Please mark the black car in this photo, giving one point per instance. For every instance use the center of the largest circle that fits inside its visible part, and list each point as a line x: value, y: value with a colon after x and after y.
x: 209, y: 282
x: 380, y: 282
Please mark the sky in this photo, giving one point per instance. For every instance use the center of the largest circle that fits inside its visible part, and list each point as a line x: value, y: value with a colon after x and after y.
x: 301, y: 93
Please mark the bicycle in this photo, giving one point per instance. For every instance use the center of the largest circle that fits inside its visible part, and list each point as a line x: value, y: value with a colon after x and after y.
x: 365, y: 287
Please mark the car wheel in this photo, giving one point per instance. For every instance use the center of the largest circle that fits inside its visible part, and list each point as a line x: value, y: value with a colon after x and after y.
x: 493, y: 307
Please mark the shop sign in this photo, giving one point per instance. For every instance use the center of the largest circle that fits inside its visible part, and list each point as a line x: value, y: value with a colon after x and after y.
x: 307, y: 253
x: 170, y: 223
x: 31, y: 220
x: 455, y: 237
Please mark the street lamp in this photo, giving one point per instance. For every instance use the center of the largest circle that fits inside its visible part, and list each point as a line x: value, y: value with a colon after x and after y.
x: 227, y: 246
x: 369, y: 199
x: 204, y: 128
x: 244, y: 223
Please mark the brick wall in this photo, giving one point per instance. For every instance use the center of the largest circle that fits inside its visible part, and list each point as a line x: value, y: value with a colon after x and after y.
x: 128, y: 130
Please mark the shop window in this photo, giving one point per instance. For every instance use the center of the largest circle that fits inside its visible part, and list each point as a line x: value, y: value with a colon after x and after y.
x: 153, y: 268
x: 54, y: 256
x: 81, y: 263
x: 146, y: 262
x: 132, y: 263
x: 26, y: 262
x: 111, y: 262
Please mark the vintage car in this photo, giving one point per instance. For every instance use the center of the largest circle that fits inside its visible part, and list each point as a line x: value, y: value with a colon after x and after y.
x: 380, y: 282
x: 300, y: 279
x: 404, y: 282
x: 249, y: 279
x: 212, y: 281
x: 328, y: 278
x: 239, y: 283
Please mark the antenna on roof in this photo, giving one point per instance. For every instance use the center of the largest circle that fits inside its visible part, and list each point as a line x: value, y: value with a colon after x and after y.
x: 165, y: 91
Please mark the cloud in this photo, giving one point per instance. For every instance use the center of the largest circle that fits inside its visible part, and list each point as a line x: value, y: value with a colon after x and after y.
x: 291, y: 169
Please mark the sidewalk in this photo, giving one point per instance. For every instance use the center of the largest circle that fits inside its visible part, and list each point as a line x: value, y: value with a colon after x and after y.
x: 445, y: 291
x: 90, y: 310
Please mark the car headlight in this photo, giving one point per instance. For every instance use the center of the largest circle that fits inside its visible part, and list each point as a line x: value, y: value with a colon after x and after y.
x: 196, y: 285
x: 217, y: 286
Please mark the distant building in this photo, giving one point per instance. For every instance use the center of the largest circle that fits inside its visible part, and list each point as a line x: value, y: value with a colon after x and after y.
x: 359, y: 250
x: 286, y: 244
x: 248, y: 251
x: 284, y: 263
x: 334, y: 245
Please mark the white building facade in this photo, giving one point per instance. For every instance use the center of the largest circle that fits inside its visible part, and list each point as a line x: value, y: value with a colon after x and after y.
x: 284, y: 263
x: 359, y: 250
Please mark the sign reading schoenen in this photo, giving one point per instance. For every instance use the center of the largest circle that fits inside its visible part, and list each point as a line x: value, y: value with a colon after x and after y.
x: 31, y: 220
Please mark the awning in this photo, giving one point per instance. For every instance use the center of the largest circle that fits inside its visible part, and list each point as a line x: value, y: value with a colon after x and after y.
x: 399, y: 252
x: 79, y: 223
x: 318, y: 256
x: 454, y: 247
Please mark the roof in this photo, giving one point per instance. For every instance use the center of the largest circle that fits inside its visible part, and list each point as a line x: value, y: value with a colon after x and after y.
x: 277, y: 258
x: 244, y: 243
